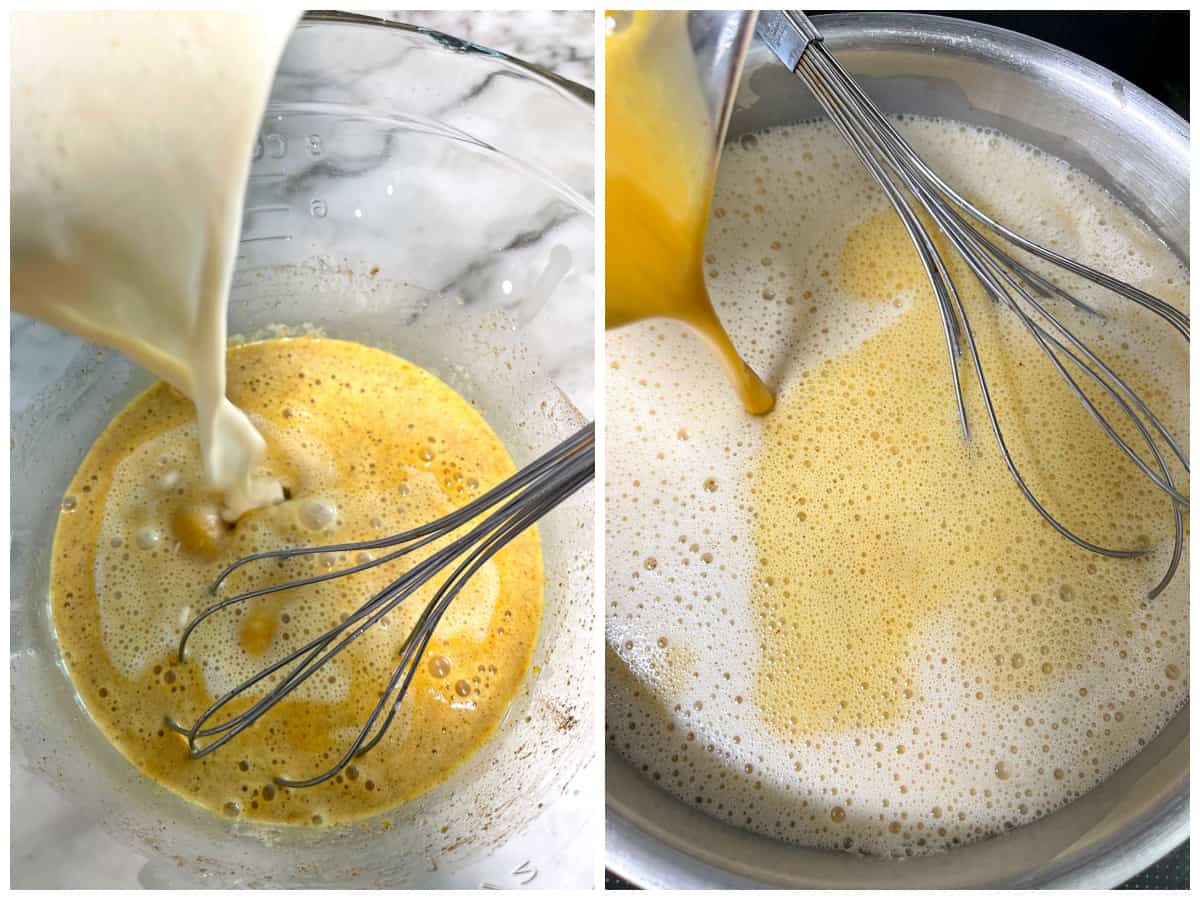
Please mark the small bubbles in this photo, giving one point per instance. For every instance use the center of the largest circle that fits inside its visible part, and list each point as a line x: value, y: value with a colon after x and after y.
x: 69, y: 503
x: 713, y: 620
x: 463, y: 688
x: 232, y: 809
x: 148, y: 538
x: 710, y: 485
x: 317, y: 514
x: 985, y: 643
x: 1172, y: 672
x: 427, y: 454
x: 439, y: 667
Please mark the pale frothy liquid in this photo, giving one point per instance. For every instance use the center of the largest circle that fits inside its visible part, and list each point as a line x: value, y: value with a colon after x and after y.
x: 840, y: 624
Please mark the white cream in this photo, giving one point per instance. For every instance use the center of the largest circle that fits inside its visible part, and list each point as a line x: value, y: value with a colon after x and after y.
x: 132, y: 141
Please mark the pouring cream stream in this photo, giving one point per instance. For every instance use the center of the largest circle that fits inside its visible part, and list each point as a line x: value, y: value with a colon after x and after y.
x: 132, y: 142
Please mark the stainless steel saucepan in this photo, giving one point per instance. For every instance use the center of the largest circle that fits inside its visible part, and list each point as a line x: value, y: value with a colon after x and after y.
x: 1130, y: 143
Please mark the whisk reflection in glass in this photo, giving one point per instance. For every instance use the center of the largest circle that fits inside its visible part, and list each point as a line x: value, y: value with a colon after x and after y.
x: 912, y: 188
x: 503, y: 512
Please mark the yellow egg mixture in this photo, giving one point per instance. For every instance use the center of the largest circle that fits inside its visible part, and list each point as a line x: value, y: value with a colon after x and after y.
x: 365, y: 445
x: 841, y: 624
x: 866, y: 499
x: 660, y: 152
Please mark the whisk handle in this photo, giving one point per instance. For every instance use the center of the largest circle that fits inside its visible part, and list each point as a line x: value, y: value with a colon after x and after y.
x: 788, y: 32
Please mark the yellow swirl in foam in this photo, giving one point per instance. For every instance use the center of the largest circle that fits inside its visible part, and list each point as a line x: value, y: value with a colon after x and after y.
x: 887, y: 650
x: 367, y: 444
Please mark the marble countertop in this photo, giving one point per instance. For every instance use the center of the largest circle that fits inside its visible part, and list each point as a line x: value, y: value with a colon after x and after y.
x: 562, y: 41
x: 47, y: 829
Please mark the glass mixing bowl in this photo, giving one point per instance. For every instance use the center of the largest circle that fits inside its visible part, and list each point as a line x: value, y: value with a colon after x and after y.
x: 432, y: 198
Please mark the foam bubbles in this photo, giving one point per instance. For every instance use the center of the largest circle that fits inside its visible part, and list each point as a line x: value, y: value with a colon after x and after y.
x: 864, y: 638
x: 317, y: 514
x: 135, y: 559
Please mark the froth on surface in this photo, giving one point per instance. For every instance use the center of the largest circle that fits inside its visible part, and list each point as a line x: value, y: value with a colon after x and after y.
x: 840, y: 625
x: 366, y: 445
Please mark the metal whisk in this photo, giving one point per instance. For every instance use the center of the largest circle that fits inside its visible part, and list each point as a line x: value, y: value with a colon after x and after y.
x: 909, y: 184
x: 506, y: 510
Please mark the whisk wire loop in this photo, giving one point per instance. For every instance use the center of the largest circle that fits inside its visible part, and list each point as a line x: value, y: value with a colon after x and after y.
x: 511, y: 508
x: 912, y: 188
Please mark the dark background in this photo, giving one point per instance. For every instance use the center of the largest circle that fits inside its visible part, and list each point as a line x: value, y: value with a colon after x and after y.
x: 1151, y: 51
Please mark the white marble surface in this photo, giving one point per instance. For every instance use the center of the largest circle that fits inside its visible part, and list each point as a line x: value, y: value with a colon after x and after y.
x: 444, y: 221
x: 562, y: 41
x: 53, y: 847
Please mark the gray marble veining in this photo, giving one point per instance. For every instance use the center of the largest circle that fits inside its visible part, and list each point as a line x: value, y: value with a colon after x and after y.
x: 562, y: 41
x: 369, y: 185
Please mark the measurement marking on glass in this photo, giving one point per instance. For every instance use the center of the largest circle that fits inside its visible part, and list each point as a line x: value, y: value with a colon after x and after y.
x: 524, y: 873
x: 526, y: 868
